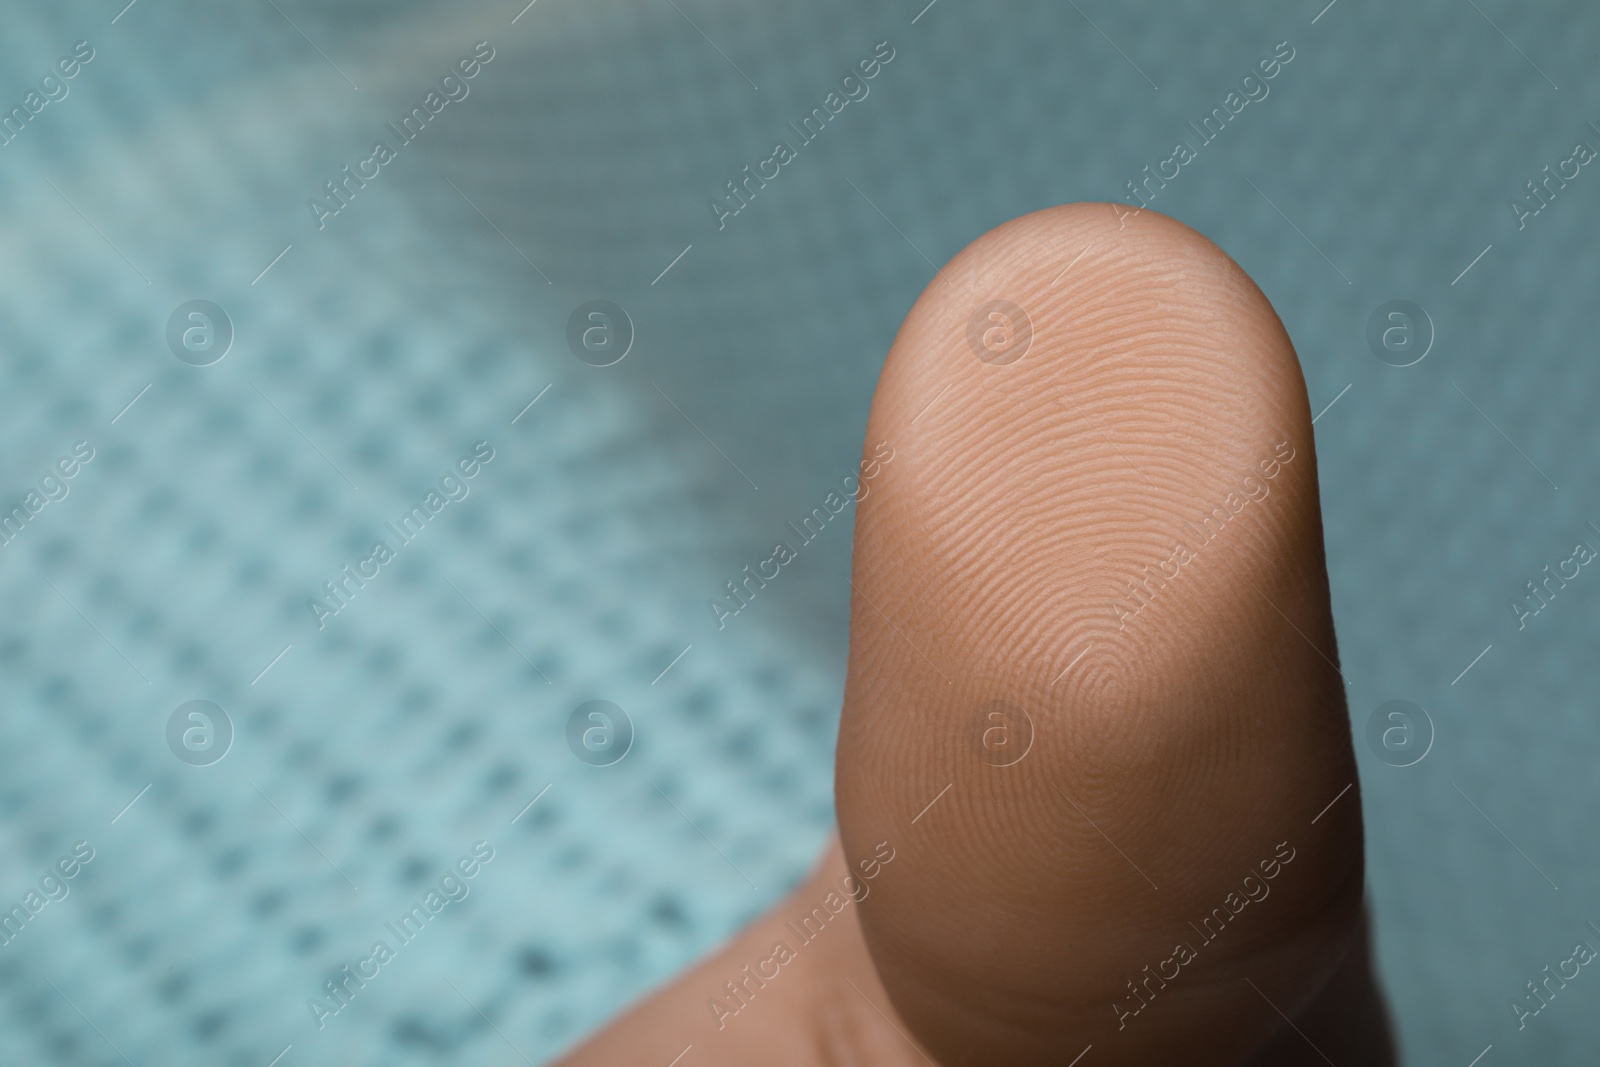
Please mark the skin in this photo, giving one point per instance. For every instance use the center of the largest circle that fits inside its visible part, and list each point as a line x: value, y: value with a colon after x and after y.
x: 1073, y: 792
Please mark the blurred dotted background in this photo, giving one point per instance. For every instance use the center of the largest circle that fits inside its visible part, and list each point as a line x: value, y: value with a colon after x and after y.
x: 375, y: 352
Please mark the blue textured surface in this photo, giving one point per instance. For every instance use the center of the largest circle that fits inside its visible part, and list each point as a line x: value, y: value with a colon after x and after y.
x: 378, y: 350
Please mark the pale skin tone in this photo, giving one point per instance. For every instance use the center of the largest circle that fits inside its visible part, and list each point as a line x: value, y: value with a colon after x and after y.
x: 1173, y: 871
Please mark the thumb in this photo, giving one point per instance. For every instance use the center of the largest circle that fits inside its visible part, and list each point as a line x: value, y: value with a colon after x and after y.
x: 1093, y: 699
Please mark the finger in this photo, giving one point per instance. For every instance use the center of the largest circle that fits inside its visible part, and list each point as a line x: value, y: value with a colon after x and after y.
x: 1098, y: 542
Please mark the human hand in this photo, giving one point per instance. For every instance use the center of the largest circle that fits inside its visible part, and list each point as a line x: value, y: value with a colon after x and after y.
x: 1095, y: 784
